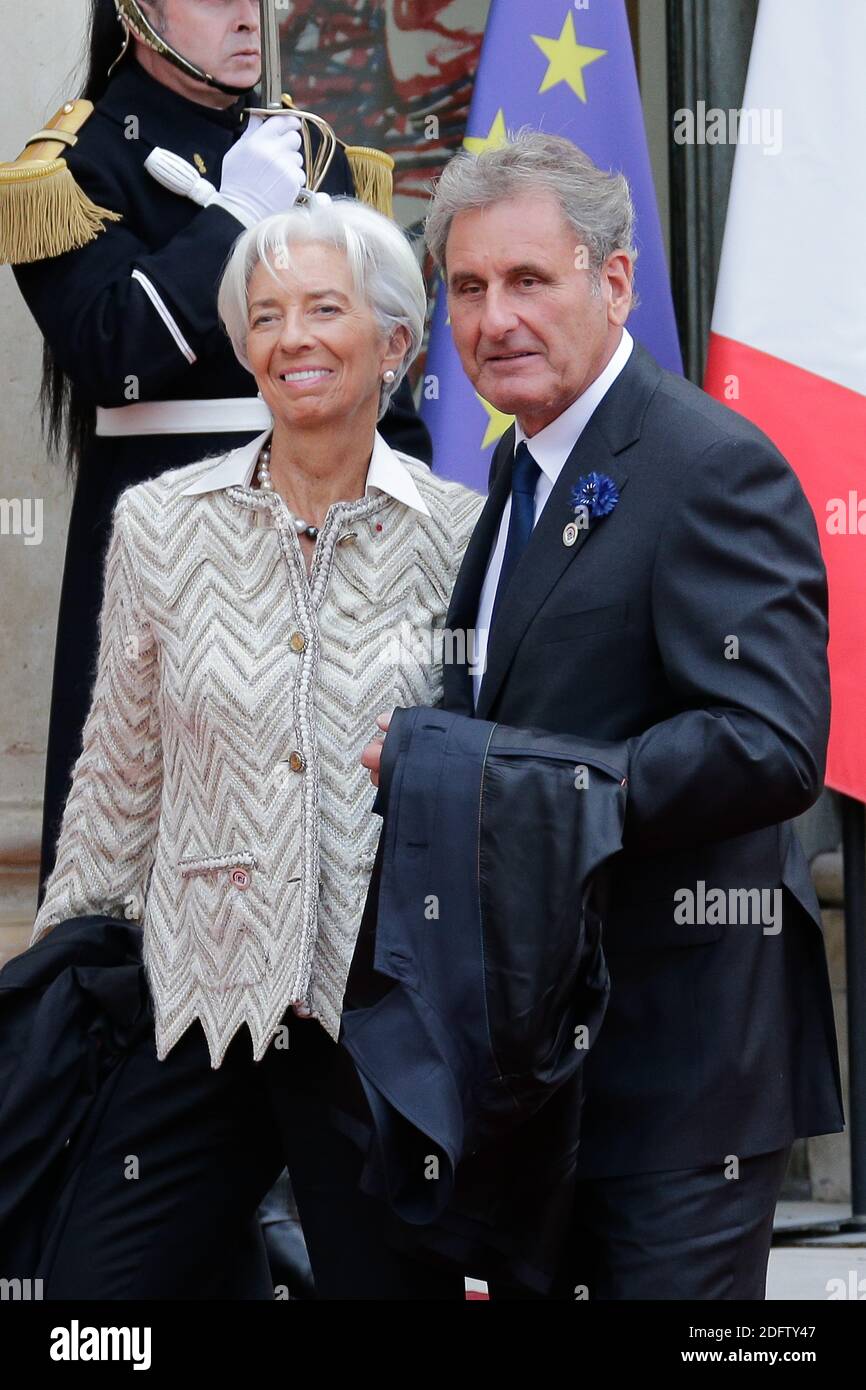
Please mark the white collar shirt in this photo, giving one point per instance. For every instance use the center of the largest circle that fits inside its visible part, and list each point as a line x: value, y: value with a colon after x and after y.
x: 386, y: 473
x: 550, y: 448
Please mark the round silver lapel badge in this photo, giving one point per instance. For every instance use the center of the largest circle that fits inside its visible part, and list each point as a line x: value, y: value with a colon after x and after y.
x: 569, y: 534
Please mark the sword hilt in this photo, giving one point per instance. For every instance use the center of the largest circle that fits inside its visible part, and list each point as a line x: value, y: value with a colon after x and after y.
x: 276, y: 103
x: 316, y: 168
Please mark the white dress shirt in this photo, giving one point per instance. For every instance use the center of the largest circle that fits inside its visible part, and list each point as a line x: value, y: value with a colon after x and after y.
x: 550, y: 448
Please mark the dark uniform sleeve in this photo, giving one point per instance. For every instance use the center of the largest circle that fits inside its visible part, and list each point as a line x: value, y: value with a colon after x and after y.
x: 116, y: 309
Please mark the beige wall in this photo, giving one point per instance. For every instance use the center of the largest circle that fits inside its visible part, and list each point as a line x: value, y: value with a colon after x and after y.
x: 41, y: 42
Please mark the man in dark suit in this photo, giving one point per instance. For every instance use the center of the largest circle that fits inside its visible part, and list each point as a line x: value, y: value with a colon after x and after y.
x: 648, y: 569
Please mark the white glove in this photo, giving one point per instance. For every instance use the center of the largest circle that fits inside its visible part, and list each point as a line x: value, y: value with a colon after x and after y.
x: 264, y: 171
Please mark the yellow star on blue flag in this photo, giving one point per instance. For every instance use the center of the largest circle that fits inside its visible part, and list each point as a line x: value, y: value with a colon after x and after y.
x: 497, y: 423
x: 566, y: 59
x: 495, y: 137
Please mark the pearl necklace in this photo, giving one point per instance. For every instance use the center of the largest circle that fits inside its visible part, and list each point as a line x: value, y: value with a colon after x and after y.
x: 264, y: 476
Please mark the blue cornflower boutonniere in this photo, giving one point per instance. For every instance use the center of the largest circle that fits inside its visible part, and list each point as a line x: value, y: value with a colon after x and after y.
x: 594, y: 495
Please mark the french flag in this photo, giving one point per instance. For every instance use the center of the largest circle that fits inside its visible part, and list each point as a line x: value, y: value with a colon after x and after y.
x: 788, y: 341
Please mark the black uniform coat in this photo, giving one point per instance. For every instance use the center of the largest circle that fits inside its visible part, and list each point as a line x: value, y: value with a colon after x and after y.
x: 719, y: 1038
x: 108, y: 336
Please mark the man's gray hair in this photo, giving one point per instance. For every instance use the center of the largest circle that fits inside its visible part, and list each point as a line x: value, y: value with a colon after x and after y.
x: 382, y: 263
x: 596, y: 202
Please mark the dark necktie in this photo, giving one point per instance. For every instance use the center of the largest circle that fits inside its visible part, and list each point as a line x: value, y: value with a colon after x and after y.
x: 523, y: 479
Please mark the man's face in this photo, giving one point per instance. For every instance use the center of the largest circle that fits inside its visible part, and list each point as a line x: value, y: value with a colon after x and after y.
x: 531, y: 334
x: 220, y: 36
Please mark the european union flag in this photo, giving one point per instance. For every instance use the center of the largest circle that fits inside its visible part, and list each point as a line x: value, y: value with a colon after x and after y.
x: 568, y: 70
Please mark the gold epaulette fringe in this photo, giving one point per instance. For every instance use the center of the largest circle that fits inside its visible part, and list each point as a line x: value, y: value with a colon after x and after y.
x: 43, y: 212
x: 372, y: 174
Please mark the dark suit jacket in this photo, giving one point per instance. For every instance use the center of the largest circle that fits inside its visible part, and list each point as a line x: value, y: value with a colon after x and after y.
x: 478, y: 985
x: 719, y: 1038
x: 70, y: 1007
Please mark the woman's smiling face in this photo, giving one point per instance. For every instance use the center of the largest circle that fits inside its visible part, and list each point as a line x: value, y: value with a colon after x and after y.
x: 314, y: 345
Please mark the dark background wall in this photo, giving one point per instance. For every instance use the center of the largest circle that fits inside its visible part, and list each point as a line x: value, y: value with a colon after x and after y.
x: 708, y: 56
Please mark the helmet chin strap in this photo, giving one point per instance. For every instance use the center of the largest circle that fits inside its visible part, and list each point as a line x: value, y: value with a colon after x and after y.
x: 137, y: 25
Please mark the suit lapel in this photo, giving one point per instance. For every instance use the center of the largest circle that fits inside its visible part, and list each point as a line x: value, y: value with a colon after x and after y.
x: 545, y: 559
x: 463, y: 610
x: 614, y: 426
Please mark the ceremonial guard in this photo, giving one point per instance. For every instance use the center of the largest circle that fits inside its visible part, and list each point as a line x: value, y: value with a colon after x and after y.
x: 118, y: 219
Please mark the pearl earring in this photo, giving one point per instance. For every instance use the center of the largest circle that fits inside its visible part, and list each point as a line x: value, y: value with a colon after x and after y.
x: 388, y: 376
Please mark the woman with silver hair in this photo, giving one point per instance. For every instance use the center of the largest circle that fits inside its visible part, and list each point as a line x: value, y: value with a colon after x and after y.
x: 260, y: 609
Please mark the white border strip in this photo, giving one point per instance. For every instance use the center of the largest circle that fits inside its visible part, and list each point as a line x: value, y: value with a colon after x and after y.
x: 217, y: 416
x: 159, y: 305
x: 476, y: 1286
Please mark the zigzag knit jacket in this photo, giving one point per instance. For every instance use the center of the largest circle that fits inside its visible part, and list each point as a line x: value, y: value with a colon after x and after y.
x: 219, y: 797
